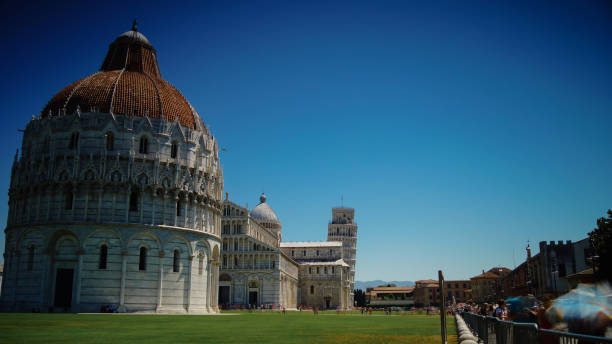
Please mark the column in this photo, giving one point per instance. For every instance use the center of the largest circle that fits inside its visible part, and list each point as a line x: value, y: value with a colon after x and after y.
x: 49, y: 197
x: 341, y: 296
x: 100, y: 195
x: 38, y: 207
x: 164, y: 195
x: 141, y: 210
x: 189, y: 281
x: 215, y: 286
x: 114, y: 204
x: 186, y: 213
x: 87, y: 189
x: 159, y: 281
x: 75, y: 193
x: 176, y: 205
x: 15, y: 270
x: 208, y: 286
x: 153, y: 199
x: 127, y: 205
x: 124, y: 255
x: 77, y: 296
x: 45, y: 264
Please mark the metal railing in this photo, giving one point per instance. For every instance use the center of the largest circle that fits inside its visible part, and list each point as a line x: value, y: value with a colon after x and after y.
x: 491, y: 330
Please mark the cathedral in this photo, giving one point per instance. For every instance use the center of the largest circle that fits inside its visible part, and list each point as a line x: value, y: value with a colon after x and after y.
x: 259, y: 269
x: 116, y: 202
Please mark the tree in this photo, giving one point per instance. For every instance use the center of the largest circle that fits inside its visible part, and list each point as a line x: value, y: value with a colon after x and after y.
x: 601, y: 239
x: 360, y: 298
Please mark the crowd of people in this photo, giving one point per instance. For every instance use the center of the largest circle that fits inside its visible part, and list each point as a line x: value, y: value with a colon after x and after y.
x: 584, y: 310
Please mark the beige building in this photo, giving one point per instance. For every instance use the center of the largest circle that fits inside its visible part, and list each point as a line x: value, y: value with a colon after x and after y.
x: 487, y: 287
x: 324, y: 275
x: 426, y: 293
x: 390, y: 296
x: 460, y: 290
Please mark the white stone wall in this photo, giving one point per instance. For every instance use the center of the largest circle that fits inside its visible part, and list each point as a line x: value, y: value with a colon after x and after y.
x: 66, y: 201
x: 122, y: 283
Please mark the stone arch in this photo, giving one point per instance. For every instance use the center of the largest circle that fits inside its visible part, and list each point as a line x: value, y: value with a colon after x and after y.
x: 115, y: 176
x: 59, y: 235
x: 215, y: 254
x: 153, y: 239
x: 143, y: 178
x: 63, y: 175
x: 89, y: 175
x: 96, y: 237
x: 202, y: 247
x: 171, y: 243
x: 166, y: 182
x: 29, y: 236
x: 31, y: 240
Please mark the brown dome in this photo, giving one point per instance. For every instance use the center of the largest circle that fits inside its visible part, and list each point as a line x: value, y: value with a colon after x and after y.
x: 128, y: 83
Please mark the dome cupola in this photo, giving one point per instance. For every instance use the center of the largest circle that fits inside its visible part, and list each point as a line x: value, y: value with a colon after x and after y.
x: 128, y: 83
x: 265, y: 215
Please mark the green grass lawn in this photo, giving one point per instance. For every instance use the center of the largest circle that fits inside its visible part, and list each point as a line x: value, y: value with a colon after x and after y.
x: 232, y: 327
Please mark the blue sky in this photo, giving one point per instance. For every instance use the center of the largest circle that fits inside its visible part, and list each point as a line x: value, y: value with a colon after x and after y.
x: 458, y: 131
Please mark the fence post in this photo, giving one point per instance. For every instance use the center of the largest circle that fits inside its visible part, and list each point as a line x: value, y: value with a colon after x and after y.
x: 442, y: 307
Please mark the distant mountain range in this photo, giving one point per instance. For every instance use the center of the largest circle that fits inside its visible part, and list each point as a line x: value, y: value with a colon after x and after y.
x: 370, y: 284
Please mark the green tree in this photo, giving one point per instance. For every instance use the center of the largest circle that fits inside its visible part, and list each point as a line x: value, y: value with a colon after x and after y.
x: 601, y: 239
x: 360, y: 298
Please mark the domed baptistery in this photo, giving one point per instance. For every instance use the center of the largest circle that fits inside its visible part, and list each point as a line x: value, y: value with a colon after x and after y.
x: 115, y: 200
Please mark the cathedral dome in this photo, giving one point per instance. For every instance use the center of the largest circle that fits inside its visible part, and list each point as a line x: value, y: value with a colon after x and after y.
x: 128, y: 83
x: 264, y: 213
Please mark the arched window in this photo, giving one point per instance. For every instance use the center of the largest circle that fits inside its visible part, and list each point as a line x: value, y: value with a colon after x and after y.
x: 110, y: 141
x: 134, y: 201
x: 312, y: 290
x: 333, y: 270
x: 176, y: 261
x: 142, y: 260
x: 174, y: 150
x: 143, y: 148
x: 31, y: 257
x: 200, y: 265
x: 103, y: 257
x: 68, y: 200
x: 74, y: 140
x: 178, y: 208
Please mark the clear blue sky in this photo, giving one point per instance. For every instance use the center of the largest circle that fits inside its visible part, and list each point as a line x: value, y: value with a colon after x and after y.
x: 458, y: 131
